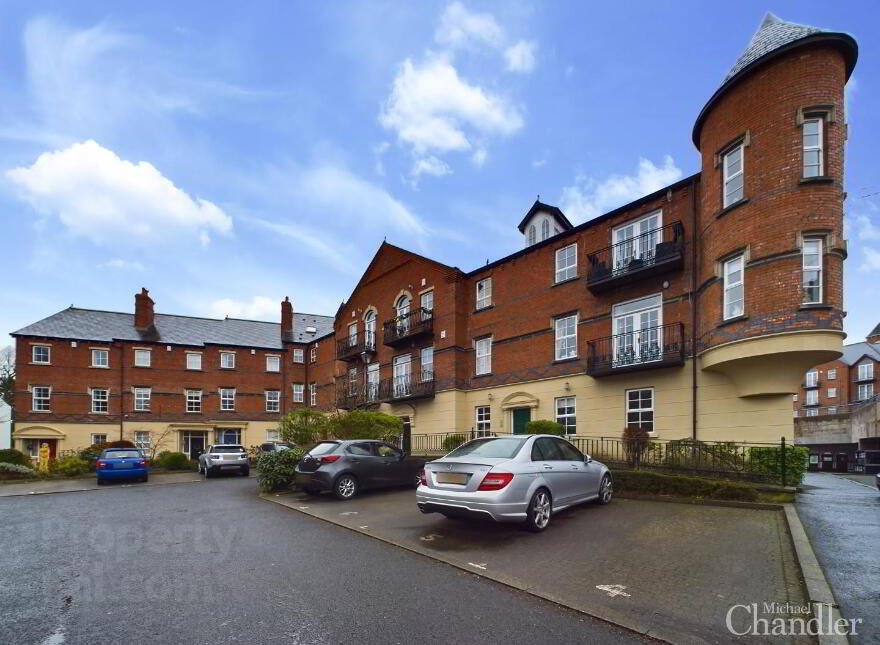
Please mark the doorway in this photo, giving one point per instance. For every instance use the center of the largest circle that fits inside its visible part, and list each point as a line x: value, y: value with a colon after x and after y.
x: 194, y: 442
x: 521, y: 416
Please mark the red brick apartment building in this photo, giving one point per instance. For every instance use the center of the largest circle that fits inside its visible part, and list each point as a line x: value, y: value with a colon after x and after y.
x: 693, y: 311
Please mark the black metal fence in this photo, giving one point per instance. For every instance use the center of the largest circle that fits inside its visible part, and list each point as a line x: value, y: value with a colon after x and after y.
x: 416, y: 322
x: 636, y: 253
x: 661, y: 345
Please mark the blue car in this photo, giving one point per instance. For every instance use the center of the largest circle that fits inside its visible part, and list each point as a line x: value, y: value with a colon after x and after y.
x: 121, y: 463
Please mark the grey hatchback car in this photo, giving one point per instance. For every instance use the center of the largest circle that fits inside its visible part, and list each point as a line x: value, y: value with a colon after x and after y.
x: 347, y: 467
x: 512, y: 479
x: 224, y: 458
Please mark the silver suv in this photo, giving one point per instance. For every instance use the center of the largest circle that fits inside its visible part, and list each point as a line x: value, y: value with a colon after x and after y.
x: 224, y: 458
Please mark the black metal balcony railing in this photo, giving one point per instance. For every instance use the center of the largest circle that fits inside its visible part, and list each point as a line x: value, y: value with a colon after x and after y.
x: 351, y: 347
x: 415, y: 323
x: 414, y: 386
x: 645, y: 349
x: 651, y: 253
x: 864, y: 378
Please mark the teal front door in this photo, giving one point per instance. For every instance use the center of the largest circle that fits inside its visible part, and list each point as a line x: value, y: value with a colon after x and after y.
x: 521, y: 416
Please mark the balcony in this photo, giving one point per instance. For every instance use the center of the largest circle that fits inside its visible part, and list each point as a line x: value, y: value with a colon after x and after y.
x: 351, y: 348
x: 418, y: 322
x: 349, y: 397
x: 401, y: 388
x: 649, y: 254
x: 645, y: 349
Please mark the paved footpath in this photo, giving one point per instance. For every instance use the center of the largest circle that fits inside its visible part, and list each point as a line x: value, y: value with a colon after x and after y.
x: 42, y: 487
x: 842, y: 519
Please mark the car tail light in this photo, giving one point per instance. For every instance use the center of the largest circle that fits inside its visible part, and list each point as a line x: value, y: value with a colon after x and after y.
x: 142, y: 462
x: 495, y: 481
x: 101, y: 464
x: 329, y: 459
x: 423, y: 478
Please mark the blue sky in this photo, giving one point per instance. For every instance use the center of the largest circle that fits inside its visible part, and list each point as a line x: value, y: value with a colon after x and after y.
x: 227, y: 158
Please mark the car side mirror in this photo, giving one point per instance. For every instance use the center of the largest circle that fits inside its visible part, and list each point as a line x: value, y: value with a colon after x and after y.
x: 588, y: 459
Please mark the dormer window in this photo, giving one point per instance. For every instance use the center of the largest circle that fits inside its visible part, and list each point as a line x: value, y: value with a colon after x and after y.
x: 532, y: 234
x: 545, y: 229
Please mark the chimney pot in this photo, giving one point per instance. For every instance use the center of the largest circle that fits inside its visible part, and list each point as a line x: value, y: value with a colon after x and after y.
x: 286, y: 318
x: 143, y: 310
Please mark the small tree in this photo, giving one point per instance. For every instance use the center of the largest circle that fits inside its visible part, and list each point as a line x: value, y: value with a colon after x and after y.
x: 635, y: 444
x: 543, y: 426
x: 304, y: 427
x: 7, y: 374
x: 365, y: 424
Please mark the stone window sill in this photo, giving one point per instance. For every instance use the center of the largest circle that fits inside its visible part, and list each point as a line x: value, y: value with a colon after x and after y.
x: 730, y: 321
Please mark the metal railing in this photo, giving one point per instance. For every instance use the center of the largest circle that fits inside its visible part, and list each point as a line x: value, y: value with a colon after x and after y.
x: 350, y: 346
x: 843, y: 408
x: 661, y: 345
x: 653, y: 247
x: 351, y: 395
x: 439, y: 443
x: 416, y: 322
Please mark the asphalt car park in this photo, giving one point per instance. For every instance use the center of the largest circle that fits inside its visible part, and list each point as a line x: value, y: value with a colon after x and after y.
x: 668, y: 570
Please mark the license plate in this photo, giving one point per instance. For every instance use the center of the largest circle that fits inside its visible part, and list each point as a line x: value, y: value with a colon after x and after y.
x: 451, y: 478
x: 124, y: 464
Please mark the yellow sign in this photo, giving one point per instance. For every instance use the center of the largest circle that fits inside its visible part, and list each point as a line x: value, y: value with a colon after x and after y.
x: 44, y: 457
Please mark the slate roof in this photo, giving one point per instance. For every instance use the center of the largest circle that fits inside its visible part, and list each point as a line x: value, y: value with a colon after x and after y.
x: 106, y: 326
x: 553, y: 211
x: 772, y: 34
x: 852, y: 353
x: 875, y: 331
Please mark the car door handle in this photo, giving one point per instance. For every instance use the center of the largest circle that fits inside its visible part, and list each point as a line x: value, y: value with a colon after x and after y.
x: 355, y: 461
x: 548, y: 467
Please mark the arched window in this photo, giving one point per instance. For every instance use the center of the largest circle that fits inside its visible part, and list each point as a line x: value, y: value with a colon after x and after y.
x: 545, y: 229
x: 402, y: 308
x: 370, y: 329
x: 531, y: 234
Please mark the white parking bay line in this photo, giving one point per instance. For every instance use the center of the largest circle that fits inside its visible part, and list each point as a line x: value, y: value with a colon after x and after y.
x: 478, y: 566
x: 349, y: 513
x: 364, y: 527
x: 430, y: 537
x: 613, y: 590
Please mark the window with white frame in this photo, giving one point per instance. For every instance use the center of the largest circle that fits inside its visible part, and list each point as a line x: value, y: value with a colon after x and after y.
x: 352, y: 381
x: 734, y: 287
x: 313, y: 394
x: 98, y: 437
x: 370, y: 329
x: 832, y: 409
x: 811, y: 412
x: 372, y: 384
x: 832, y: 392
x: 193, y: 401
x: 427, y: 363
x: 352, y: 334
x: 273, y: 401
x: 865, y: 391
x: 227, y: 399
x: 40, y: 354
x: 811, y: 397
x: 566, y: 337
x: 142, y: 440
x: 298, y: 389
x: 637, y: 240
x: 142, y: 396
x: 733, y: 175
x: 484, y: 355
x: 794, y: 397
x: 866, y: 371
x: 795, y: 412
x: 193, y: 360
x: 313, y: 354
x: 812, y: 378
x: 484, y: 420
x: 100, y: 400
x: 273, y: 363
x: 484, y: 293
x: 227, y: 360
x: 273, y: 435
x: 142, y: 357
x: 566, y: 263
x: 832, y: 374
x: 813, y: 161
x: 298, y: 356
x: 100, y: 358
x: 812, y: 271
x: 426, y: 300
x: 532, y: 234
x: 565, y: 413
x: 228, y: 436
x: 640, y: 409
x: 638, y: 331
x: 545, y: 229
x: 40, y: 395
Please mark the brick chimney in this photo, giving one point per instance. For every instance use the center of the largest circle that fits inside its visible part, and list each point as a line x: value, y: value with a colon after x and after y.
x: 874, y: 336
x: 286, y: 318
x: 143, y: 310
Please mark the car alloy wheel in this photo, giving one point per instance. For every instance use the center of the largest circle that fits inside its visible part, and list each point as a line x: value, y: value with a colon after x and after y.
x: 606, y: 490
x: 346, y: 487
x: 539, y: 511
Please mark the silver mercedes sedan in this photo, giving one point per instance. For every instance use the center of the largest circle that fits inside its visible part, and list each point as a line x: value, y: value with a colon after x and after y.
x: 512, y: 479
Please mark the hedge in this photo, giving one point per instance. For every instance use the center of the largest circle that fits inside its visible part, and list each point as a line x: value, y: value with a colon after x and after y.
x: 768, y: 460
x: 453, y: 441
x: 15, y: 471
x: 275, y: 470
x: 70, y: 466
x: 544, y: 426
x: 13, y: 456
x: 646, y: 481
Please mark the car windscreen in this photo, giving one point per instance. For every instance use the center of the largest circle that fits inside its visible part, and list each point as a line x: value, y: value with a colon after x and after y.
x: 227, y: 449
x: 122, y: 454
x: 491, y: 448
x: 323, y: 448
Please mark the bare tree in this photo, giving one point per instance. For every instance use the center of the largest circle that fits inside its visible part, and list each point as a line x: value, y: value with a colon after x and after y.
x: 7, y: 374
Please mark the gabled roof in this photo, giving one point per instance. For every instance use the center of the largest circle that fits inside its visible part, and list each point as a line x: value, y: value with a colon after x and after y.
x: 107, y: 326
x: 773, y: 37
x: 540, y: 207
x: 852, y: 354
x: 875, y: 331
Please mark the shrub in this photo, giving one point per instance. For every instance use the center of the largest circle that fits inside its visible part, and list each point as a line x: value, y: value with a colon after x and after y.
x: 13, y: 456
x: 635, y: 444
x: 173, y: 461
x: 15, y: 471
x: 453, y: 441
x: 364, y: 424
x: 304, y: 427
x: 543, y: 426
x: 70, y: 466
x: 646, y: 481
x: 275, y: 470
x: 768, y: 460
x: 92, y: 453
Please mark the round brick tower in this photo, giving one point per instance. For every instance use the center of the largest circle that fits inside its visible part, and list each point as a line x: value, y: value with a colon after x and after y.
x: 770, y: 216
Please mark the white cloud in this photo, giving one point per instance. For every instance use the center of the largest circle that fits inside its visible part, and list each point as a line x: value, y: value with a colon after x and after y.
x: 479, y: 157
x: 521, y: 56
x: 98, y: 195
x: 124, y: 265
x: 539, y: 163
x: 458, y: 27
x: 430, y: 107
x: 429, y: 165
x: 871, y: 261
x: 315, y: 241
x: 865, y: 229
x: 379, y: 151
x: 588, y: 198
x: 257, y: 308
